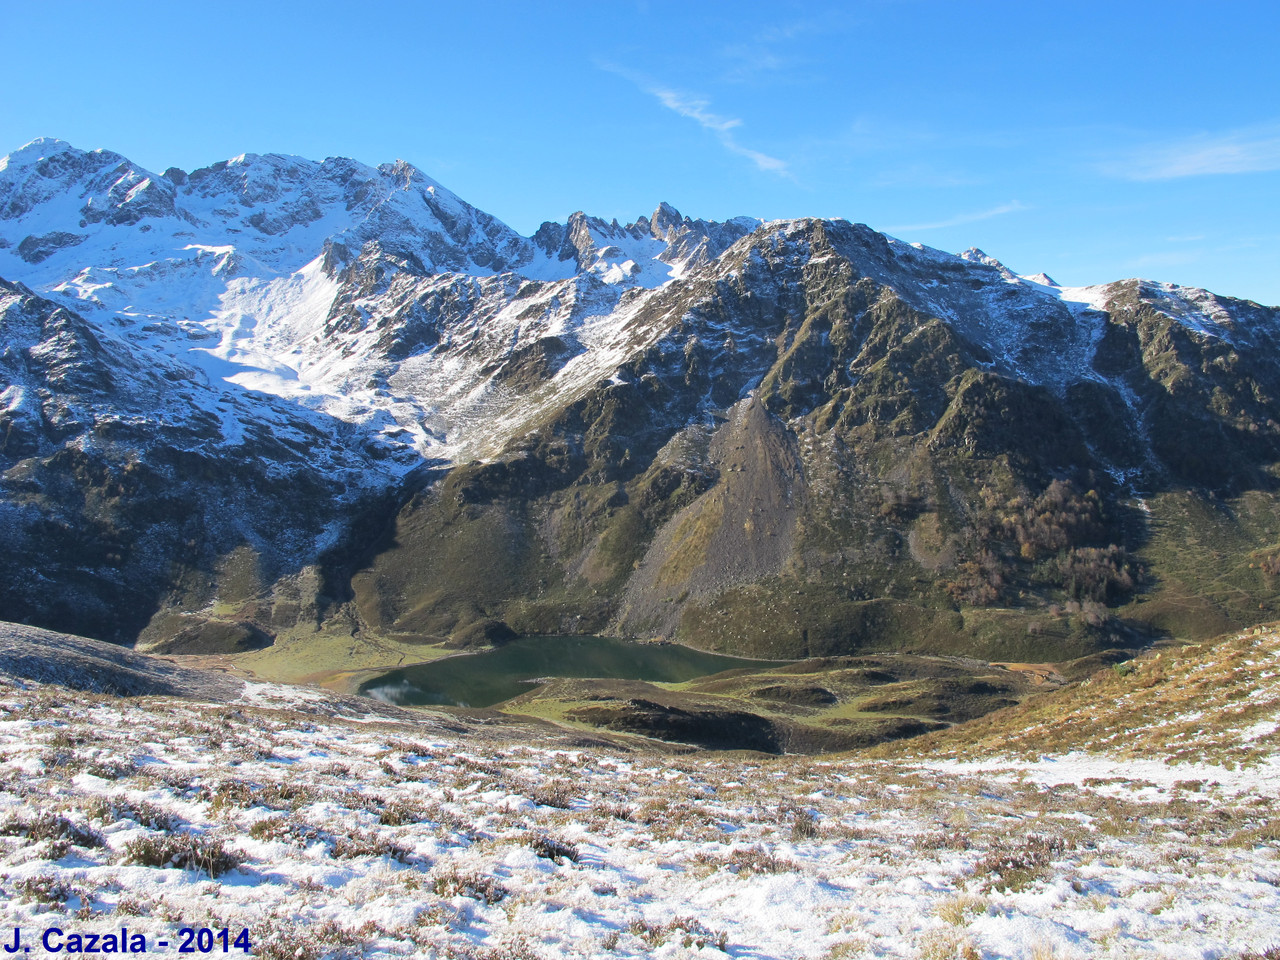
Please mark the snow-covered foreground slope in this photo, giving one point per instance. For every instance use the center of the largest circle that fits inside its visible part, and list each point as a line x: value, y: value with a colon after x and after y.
x: 325, y: 836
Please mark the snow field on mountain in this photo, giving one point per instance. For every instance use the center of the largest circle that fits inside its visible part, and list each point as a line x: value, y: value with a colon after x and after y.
x: 224, y: 273
x: 341, y: 837
x: 276, y: 276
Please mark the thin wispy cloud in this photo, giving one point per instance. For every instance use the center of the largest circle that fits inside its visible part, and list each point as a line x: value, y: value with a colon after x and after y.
x: 751, y: 63
x: 1167, y: 259
x: 961, y: 219
x: 695, y: 110
x: 699, y: 110
x: 1251, y: 150
x: 771, y: 55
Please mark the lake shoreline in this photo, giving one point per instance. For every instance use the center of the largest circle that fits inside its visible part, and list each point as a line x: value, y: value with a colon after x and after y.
x: 680, y: 663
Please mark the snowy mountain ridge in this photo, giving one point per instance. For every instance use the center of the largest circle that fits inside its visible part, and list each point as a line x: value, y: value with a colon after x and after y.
x: 272, y: 324
x: 232, y: 268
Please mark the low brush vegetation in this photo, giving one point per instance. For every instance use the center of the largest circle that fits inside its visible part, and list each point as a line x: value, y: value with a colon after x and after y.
x: 183, y: 851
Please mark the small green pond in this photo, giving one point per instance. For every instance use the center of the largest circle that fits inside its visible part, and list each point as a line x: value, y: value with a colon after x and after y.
x: 484, y: 679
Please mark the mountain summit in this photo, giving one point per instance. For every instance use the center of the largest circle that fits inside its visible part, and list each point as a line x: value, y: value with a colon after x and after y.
x: 279, y: 399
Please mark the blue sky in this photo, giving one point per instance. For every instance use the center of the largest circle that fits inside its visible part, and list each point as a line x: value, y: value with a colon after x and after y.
x: 1089, y: 140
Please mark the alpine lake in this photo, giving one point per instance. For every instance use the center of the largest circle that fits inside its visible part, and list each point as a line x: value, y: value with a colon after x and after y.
x: 672, y: 693
x: 493, y: 676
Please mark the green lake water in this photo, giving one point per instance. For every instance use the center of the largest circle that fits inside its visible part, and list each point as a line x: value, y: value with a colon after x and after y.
x: 484, y: 679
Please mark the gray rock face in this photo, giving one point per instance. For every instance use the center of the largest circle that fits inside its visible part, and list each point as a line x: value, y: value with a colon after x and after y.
x: 36, y: 249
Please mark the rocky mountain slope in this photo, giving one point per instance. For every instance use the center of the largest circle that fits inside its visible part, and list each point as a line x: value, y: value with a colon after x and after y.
x: 273, y: 398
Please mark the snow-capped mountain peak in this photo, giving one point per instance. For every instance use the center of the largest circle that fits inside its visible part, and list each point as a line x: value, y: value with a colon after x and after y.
x: 271, y: 324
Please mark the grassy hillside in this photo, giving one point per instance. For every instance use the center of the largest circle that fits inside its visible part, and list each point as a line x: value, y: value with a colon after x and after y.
x: 1211, y: 703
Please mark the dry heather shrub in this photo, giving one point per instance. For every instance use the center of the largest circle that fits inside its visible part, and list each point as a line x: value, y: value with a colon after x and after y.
x: 753, y: 860
x: 283, y: 795
x: 617, y: 811
x: 1266, y: 833
x: 187, y: 851
x: 653, y: 811
x: 241, y: 794
x: 273, y: 939
x: 955, y: 840
x: 947, y: 944
x: 353, y: 845
x: 64, y: 739
x: 549, y: 848
x: 111, y: 769
x: 271, y: 828
x: 331, y: 934
x: 957, y: 910
x: 50, y: 826
x: 406, y: 812
x: 42, y: 889
x: 1018, y: 867
x: 109, y: 810
x: 555, y: 794
x: 450, y: 882
x: 670, y: 820
x: 1267, y: 953
x: 804, y: 825
x: 690, y: 933
x: 397, y: 813
x: 517, y: 948
x: 229, y: 795
x: 130, y: 906
x: 848, y: 831
x: 1008, y: 870
x: 848, y: 949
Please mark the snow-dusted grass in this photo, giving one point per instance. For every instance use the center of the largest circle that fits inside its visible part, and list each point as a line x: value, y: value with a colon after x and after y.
x: 333, y: 837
